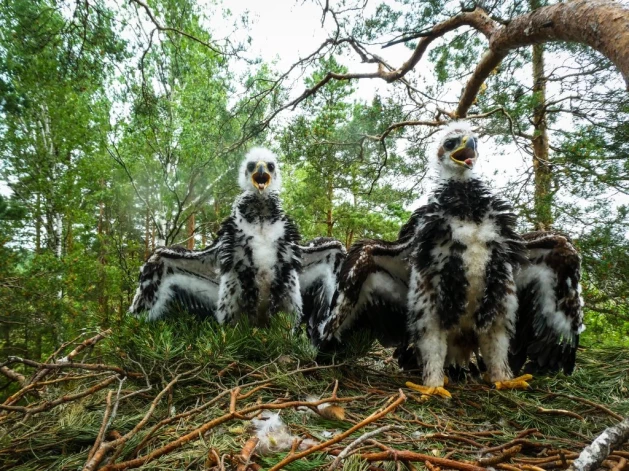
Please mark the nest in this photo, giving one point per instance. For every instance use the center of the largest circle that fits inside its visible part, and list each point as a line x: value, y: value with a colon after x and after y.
x: 186, y: 395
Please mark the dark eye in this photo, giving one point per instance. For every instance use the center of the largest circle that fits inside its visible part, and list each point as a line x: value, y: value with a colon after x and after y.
x: 450, y: 144
x: 251, y: 167
x: 270, y: 166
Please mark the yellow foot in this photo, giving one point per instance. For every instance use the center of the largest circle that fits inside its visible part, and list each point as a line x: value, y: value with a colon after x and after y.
x: 516, y: 383
x: 429, y: 390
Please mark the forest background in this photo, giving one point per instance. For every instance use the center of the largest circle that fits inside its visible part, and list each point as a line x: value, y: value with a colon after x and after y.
x: 122, y: 125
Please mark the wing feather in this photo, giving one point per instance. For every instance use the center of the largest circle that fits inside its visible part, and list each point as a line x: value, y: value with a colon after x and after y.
x: 550, y: 314
x: 176, y: 277
x: 321, y: 260
x: 372, y: 290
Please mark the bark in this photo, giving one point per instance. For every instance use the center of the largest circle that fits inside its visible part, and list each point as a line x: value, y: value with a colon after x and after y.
x: 38, y: 224
x: 593, y: 455
x: 153, y: 238
x: 190, y: 231
x: 328, y: 220
x: 147, y: 234
x: 541, y: 155
x: 601, y: 24
x: 349, y: 240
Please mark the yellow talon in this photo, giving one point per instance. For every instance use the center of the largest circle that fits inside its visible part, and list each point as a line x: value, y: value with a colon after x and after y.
x: 516, y: 383
x: 429, y: 390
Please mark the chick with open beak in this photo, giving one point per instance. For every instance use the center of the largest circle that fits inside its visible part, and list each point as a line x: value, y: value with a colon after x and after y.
x: 260, y: 175
x: 259, y: 172
x: 458, y: 150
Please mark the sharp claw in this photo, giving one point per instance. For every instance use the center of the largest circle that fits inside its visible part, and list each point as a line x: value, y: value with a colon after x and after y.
x: 429, y: 390
x: 516, y: 383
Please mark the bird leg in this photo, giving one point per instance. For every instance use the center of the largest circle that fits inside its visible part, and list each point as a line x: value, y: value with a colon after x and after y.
x: 516, y: 383
x: 432, y: 347
x: 494, y: 347
x: 431, y: 390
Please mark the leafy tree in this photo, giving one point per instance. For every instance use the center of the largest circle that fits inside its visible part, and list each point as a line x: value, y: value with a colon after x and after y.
x: 343, y: 184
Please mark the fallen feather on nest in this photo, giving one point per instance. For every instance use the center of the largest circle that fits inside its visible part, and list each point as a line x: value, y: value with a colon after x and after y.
x: 274, y: 435
x: 326, y: 410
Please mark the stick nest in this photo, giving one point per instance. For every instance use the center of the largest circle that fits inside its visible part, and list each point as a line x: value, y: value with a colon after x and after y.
x: 181, y: 394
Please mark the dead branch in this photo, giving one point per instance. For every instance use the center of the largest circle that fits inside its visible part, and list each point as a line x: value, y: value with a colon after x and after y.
x: 38, y: 376
x: 584, y: 401
x: 32, y: 387
x: 245, y: 454
x: 504, y: 456
x: 372, y: 418
x: 593, y: 455
x: 403, y: 455
x: 200, y: 431
x: 103, y: 426
x: 622, y: 463
x: 83, y: 366
x: 47, y: 405
x: 13, y: 375
x: 104, y: 448
x: 343, y: 454
x: 568, y: 413
x: 516, y: 441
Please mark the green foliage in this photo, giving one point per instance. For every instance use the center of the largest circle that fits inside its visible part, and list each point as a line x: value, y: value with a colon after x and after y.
x: 181, y: 336
x: 115, y: 138
x: 343, y: 183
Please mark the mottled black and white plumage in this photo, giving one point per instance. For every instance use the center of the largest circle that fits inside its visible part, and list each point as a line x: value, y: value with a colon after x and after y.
x: 550, y: 313
x: 449, y: 276
x: 372, y: 291
x: 321, y: 262
x: 452, y: 277
x: 174, y: 277
x: 259, y: 257
x: 253, y: 268
x: 462, y: 293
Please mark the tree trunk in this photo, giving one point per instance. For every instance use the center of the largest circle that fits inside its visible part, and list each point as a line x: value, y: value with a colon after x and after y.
x: 217, y: 213
x: 349, y: 239
x: 601, y: 24
x: 147, y: 234
x: 153, y: 238
x: 541, y: 156
x: 593, y: 455
x: 328, y: 220
x: 103, y: 299
x: 190, y: 231
x: 38, y: 224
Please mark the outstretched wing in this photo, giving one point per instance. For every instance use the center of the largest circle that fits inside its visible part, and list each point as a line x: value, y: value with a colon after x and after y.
x: 321, y: 260
x: 174, y: 276
x: 372, y: 291
x: 550, y: 313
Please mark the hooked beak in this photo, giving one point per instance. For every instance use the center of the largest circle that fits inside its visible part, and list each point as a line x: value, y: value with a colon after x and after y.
x: 261, y: 177
x: 466, y: 153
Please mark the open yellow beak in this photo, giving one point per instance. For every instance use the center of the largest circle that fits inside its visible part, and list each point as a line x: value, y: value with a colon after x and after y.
x: 261, y: 177
x: 466, y: 153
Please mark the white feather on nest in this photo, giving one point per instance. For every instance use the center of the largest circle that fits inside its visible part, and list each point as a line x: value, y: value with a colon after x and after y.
x: 273, y: 434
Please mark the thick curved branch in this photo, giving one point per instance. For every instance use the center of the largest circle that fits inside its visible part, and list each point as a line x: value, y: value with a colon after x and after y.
x: 601, y: 24
x: 593, y: 455
x: 478, y: 19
